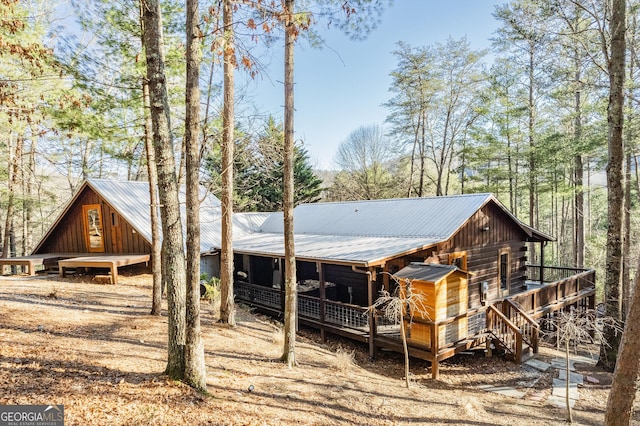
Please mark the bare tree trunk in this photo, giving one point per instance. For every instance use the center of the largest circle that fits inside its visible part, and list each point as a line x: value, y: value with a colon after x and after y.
x: 227, y: 306
x: 627, y: 288
x: 578, y: 207
x: 12, y: 171
x: 403, y: 333
x: 195, y: 372
x: 625, y: 377
x: 615, y: 194
x: 152, y: 174
x: 532, y: 155
x: 290, y: 307
x: 173, y: 264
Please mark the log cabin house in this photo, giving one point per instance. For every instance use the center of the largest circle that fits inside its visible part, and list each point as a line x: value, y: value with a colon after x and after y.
x: 467, y: 253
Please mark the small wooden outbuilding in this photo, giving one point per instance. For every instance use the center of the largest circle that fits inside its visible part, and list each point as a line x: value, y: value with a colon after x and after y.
x: 438, y: 317
x: 107, y: 225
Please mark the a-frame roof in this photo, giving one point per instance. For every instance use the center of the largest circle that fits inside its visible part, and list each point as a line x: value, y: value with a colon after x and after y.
x: 132, y: 201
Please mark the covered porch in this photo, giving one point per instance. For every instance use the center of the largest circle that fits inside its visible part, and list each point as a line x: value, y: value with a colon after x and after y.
x: 512, y: 320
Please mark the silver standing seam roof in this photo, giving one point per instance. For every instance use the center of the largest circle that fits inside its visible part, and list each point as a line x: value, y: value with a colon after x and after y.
x: 365, y: 232
x: 354, y: 232
x: 132, y: 201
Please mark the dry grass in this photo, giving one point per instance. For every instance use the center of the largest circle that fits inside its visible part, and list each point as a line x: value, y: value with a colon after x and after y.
x: 95, y: 349
x: 345, y: 360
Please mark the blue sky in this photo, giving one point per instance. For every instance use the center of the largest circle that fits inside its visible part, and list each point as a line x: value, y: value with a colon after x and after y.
x: 342, y: 86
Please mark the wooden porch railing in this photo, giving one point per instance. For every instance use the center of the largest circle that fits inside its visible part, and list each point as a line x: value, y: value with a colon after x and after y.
x: 550, y: 274
x: 529, y: 327
x: 505, y: 331
x: 572, y: 284
x: 309, y: 307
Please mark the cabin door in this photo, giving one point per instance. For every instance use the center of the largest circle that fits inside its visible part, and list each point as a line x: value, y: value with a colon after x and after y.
x: 504, y: 272
x: 93, y: 228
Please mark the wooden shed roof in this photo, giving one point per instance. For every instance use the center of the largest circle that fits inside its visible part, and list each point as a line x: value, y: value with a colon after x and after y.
x: 428, y: 272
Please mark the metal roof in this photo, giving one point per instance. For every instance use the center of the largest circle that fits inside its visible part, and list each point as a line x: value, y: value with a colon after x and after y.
x: 369, y: 232
x: 338, y: 248
x: 360, y: 232
x: 428, y: 217
x: 426, y: 271
x: 131, y: 200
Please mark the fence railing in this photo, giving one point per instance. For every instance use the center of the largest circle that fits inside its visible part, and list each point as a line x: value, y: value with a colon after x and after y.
x: 550, y: 274
x: 505, y: 331
x: 309, y: 307
x: 581, y: 282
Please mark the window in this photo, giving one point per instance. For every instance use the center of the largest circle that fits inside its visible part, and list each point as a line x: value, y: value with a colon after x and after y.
x: 459, y: 259
x: 93, y: 228
x: 504, y: 268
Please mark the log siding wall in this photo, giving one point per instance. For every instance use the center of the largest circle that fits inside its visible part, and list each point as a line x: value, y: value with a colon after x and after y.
x: 487, y: 232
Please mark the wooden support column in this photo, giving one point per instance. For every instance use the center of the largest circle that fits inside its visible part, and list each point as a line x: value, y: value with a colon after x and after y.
x: 435, y: 365
x: 542, y: 244
x: 323, y: 297
x: 372, y: 318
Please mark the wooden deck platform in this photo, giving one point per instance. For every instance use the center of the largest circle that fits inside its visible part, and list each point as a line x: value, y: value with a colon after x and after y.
x: 31, y: 262
x: 110, y: 261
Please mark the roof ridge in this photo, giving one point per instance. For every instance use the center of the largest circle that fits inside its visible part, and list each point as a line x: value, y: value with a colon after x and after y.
x: 379, y: 200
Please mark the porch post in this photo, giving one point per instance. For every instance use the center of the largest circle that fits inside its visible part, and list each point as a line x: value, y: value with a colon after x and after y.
x: 323, y: 296
x: 372, y: 319
x: 542, y: 244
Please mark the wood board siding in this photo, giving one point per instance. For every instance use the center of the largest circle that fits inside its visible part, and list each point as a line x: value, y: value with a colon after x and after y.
x: 68, y: 236
x: 487, y: 232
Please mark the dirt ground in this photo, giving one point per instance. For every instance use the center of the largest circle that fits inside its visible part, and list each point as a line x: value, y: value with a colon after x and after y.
x: 93, y: 348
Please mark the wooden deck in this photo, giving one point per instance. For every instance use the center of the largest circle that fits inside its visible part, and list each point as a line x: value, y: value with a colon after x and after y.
x: 30, y: 262
x: 512, y: 320
x: 111, y: 261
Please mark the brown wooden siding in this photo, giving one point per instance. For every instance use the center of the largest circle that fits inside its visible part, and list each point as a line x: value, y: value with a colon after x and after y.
x: 68, y: 236
x: 487, y: 232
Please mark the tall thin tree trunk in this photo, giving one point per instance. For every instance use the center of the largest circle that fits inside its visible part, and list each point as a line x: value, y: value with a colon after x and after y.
x: 289, y: 354
x: 627, y: 288
x: 615, y: 193
x: 227, y: 307
x: 578, y: 206
x: 152, y: 174
x: 625, y: 378
x: 12, y: 171
x: 626, y: 240
x: 195, y: 372
x: 173, y: 264
x: 532, y: 153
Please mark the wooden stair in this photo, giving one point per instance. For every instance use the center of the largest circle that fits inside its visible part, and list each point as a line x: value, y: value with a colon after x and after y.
x: 512, y: 330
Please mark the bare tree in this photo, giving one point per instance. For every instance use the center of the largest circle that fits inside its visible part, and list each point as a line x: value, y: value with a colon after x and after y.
x: 364, y: 156
x: 227, y: 309
x: 403, y: 304
x: 574, y: 328
x: 173, y: 265
x: 195, y: 373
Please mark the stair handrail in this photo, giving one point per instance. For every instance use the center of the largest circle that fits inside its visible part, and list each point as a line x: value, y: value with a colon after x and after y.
x: 510, y: 326
x: 529, y: 328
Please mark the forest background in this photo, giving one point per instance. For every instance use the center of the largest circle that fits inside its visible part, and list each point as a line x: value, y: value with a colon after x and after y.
x: 525, y: 120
